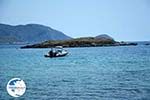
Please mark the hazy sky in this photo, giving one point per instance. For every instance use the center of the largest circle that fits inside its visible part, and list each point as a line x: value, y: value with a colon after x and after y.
x: 121, y: 19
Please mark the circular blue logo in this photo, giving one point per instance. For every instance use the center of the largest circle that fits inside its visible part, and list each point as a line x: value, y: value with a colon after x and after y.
x: 16, y: 87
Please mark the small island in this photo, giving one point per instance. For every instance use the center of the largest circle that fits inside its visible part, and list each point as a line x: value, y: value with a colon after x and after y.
x: 98, y: 41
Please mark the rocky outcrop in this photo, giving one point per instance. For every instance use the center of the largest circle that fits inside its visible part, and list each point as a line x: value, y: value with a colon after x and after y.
x: 80, y: 42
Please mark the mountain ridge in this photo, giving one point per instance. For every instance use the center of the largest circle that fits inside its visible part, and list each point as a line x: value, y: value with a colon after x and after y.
x: 29, y: 33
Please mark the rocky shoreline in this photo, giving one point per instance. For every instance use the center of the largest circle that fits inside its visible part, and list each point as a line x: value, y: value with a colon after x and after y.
x: 80, y: 42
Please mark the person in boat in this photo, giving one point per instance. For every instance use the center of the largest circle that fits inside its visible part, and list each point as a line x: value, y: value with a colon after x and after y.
x: 57, y: 52
x: 51, y: 53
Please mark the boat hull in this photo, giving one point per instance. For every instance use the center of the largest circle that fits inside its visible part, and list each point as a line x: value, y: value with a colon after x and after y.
x: 61, y: 55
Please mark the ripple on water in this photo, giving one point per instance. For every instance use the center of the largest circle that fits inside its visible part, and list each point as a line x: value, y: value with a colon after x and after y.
x: 106, y: 73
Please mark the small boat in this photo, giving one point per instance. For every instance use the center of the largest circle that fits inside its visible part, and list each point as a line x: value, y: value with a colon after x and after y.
x: 58, y: 51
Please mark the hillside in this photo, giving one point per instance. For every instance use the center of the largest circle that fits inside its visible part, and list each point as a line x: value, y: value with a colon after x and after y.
x: 104, y: 37
x: 78, y: 42
x: 30, y: 33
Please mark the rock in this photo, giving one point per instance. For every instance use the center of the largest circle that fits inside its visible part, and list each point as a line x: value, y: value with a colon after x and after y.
x: 81, y: 42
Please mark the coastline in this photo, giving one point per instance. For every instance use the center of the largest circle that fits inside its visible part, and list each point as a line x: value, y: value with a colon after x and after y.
x: 80, y: 42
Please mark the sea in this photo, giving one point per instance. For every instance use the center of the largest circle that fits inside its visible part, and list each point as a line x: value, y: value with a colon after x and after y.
x: 88, y: 73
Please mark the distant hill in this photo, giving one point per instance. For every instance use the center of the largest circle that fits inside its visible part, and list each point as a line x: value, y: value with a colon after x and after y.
x: 98, y: 41
x: 78, y: 42
x: 29, y: 33
x: 104, y: 37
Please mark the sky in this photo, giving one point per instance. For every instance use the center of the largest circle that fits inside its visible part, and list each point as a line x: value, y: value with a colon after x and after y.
x: 124, y: 20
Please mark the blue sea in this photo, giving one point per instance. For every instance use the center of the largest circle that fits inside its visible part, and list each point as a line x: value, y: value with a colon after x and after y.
x: 90, y: 73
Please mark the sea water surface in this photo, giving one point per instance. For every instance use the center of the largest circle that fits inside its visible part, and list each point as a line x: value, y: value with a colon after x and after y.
x: 94, y: 73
